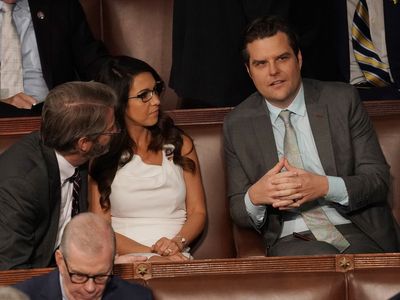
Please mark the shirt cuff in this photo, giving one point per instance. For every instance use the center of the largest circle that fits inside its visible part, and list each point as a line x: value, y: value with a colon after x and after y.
x: 337, y: 191
x: 256, y: 212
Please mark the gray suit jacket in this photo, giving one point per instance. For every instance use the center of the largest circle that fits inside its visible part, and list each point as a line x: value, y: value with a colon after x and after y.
x: 30, y: 197
x: 347, y: 146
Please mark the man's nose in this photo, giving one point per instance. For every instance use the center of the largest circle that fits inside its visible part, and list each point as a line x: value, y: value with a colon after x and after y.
x: 273, y: 68
x: 90, y: 285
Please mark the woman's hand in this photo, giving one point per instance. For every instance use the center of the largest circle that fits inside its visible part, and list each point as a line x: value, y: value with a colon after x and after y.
x: 166, y: 247
x: 176, y: 257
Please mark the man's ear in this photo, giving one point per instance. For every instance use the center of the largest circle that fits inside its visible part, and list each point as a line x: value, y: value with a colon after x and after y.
x: 59, y: 260
x: 300, y: 59
x: 248, y: 70
x: 84, y: 144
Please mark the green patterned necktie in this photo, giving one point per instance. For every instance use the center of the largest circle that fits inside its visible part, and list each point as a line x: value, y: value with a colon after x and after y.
x: 315, y: 218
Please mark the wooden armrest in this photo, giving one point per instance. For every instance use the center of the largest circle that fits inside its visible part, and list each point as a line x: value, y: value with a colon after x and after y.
x: 248, y: 242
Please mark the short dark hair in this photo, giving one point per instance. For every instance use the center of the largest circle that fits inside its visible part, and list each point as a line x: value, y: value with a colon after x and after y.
x: 267, y: 27
x: 74, y: 110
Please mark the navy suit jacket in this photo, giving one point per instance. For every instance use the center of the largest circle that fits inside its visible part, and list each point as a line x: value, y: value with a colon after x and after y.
x: 47, y: 287
x: 30, y: 197
x: 347, y: 147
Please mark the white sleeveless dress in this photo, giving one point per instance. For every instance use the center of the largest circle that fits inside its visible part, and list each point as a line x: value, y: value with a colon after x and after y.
x: 148, y: 201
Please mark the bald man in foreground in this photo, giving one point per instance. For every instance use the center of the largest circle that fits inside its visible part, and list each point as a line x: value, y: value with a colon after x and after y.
x: 85, y: 265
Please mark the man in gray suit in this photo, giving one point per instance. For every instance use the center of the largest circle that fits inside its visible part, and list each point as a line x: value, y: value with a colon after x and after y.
x: 344, y: 174
x: 37, y: 194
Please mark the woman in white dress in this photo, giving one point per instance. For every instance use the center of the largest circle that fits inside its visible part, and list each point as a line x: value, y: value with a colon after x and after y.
x: 148, y: 185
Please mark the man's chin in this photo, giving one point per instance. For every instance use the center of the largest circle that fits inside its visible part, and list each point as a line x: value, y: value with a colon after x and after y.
x: 88, y: 297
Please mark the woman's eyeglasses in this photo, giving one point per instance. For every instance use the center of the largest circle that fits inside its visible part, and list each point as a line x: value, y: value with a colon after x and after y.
x: 146, y: 95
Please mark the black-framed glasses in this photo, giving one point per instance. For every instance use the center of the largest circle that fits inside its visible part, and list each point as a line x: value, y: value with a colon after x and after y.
x: 81, y: 278
x: 146, y: 95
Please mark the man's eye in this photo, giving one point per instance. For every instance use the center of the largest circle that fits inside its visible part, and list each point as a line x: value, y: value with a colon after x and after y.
x: 79, y: 277
x: 259, y: 63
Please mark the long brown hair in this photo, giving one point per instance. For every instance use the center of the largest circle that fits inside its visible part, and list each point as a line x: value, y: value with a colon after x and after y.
x: 118, y: 74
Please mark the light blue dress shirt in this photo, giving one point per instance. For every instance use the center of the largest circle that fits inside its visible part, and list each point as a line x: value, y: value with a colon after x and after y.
x: 34, y: 83
x: 337, y: 190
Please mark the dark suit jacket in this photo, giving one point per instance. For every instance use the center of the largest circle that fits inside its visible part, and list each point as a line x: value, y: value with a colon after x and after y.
x: 207, y: 66
x: 347, y: 146
x: 48, y: 287
x: 392, y: 32
x: 66, y: 47
x: 30, y: 196
x: 328, y: 58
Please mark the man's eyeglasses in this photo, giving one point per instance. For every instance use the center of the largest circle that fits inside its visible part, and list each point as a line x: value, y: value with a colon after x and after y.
x: 146, y: 95
x: 83, y: 278
x: 114, y: 131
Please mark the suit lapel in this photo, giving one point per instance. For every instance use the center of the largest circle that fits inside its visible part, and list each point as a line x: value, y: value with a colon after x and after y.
x: 264, y: 135
x: 40, y: 13
x: 265, y: 143
x: 51, y: 288
x: 319, y: 123
x: 54, y: 196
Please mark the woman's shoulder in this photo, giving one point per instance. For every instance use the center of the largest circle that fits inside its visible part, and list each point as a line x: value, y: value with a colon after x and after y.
x: 187, y: 145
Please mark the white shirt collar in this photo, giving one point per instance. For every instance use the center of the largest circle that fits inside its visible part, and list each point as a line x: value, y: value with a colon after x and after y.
x: 66, y: 169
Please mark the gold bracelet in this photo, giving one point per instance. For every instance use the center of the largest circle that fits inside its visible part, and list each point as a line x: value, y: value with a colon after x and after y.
x: 181, y: 241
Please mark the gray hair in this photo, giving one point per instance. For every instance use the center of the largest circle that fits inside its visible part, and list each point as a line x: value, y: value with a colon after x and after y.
x: 11, y: 293
x: 74, y: 110
x: 90, y: 233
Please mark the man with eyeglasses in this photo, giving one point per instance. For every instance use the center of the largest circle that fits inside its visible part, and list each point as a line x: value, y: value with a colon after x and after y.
x: 43, y: 178
x: 85, y: 265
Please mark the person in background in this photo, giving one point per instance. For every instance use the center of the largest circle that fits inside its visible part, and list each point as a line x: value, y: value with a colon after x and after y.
x: 338, y: 52
x: 207, y: 70
x: 54, y: 46
x: 11, y: 293
x: 306, y: 171
x: 149, y: 185
x: 43, y: 178
x: 379, y: 21
x: 84, y: 266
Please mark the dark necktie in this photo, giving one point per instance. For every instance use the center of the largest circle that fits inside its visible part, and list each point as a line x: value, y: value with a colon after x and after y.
x: 315, y: 218
x: 374, y: 70
x: 76, y: 181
